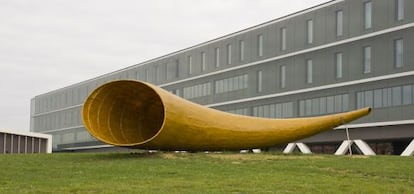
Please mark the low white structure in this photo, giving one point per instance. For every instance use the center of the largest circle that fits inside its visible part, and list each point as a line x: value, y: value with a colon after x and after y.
x: 15, y: 142
x: 409, y: 151
x: 302, y: 148
x: 362, y: 145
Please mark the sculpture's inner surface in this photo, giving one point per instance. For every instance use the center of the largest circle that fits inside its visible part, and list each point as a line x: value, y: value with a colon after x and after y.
x: 124, y: 113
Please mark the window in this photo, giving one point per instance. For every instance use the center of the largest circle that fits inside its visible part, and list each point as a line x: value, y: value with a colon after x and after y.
x: 228, y: 54
x: 367, y: 59
x: 396, y: 96
x: 368, y: 15
x: 177, y: 68
x: 309, y: 71
x: 196, y: 91
x: 386, y: 97
x: 259, y: 81
x: 283, y: 76
x: 242, y: 111
x: 190, y: 64
x: 338, y: 64
x: 203, y: 61
x: 172, y: 69
x: 398, y: 53
x: 146, y: 75
x: 217, y: 57
x: 280, y: 110
x: 260, y: 45
x: 339, y: 23
x: 324, y: 105
x: 407, y: 95
x: 309, y: 31
x: 231, y: 84
x: 283, y: 38
x: 157, y: 73
x: 399, y: 10
x: 241, y: 45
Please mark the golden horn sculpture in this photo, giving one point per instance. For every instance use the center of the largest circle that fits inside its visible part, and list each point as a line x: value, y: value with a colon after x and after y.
x: 140, y: 115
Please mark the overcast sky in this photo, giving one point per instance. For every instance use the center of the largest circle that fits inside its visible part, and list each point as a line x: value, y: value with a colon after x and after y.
x: 49, y: 44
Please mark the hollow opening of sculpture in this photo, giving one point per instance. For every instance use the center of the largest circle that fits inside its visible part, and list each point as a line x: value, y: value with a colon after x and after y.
x: 124, y: 113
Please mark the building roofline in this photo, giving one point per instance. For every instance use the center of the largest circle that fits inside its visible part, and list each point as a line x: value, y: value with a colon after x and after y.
x: 26, y: 133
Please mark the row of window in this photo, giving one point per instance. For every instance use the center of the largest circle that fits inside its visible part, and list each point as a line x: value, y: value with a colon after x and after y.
x: 74, y: 97
x: 310, y: 31
x: 324, y: 105
x: 399, y: 4
x: 197, y: 91
x: 59, y: 120
x: 240, y: 111
x: 377, y: 98
x: 231, y: 84
x: 386, y: 97
x: 71, y: 137
x: 62, y: 99
x: 281, y: 110
x: 240, y: 82
x: 77, y: 96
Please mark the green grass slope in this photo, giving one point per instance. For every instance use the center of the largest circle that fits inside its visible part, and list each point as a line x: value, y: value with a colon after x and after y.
x: 204, y: 173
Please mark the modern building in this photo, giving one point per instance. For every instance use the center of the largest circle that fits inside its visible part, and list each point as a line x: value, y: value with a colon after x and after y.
x: 15, y: 142
x: 334, y: 57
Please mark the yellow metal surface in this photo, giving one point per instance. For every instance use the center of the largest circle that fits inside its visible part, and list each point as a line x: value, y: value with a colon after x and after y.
x: 136, y: 114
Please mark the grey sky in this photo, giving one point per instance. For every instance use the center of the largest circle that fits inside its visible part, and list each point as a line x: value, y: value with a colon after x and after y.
x: 49, y: 44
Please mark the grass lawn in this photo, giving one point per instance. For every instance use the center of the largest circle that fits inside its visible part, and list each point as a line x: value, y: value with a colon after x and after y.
x: 204, y: 173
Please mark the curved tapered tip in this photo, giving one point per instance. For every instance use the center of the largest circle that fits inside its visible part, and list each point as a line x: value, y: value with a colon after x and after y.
x: 353, y: 115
